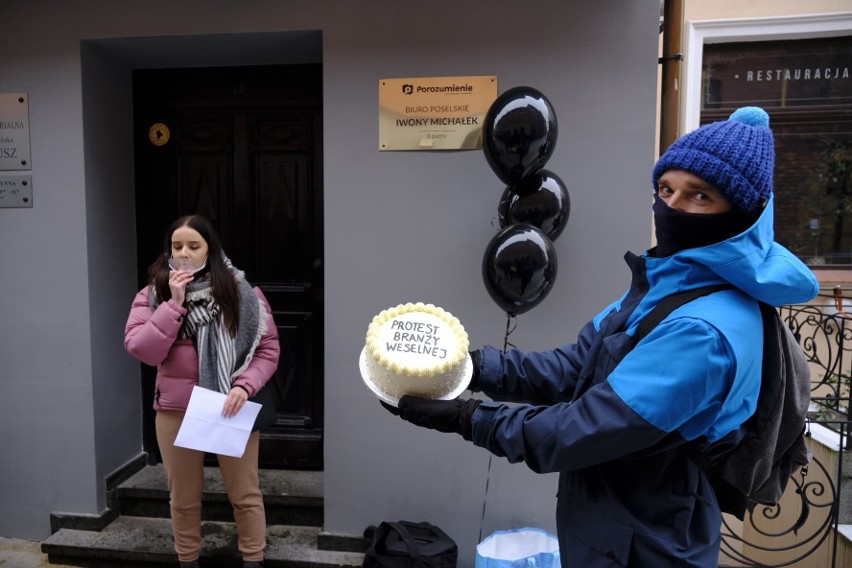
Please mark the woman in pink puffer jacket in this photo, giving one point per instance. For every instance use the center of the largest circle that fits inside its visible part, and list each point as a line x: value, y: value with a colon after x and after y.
x: 201, y: 323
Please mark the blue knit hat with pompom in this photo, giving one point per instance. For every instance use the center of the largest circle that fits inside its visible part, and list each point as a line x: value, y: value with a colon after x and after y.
x: 736, y: 156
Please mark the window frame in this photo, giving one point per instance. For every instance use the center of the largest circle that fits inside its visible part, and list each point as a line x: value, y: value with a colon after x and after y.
x: 790, y: 27
x: 701, y: 32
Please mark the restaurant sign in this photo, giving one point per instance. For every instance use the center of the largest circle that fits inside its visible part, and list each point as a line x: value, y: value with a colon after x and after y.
x: 810, y: 72
x: 434, y: 113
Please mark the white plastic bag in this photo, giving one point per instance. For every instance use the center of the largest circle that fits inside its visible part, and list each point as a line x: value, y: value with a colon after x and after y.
x: 518, y: 548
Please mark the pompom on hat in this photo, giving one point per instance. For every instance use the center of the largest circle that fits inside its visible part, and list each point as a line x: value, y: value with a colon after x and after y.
x: 736, y: 156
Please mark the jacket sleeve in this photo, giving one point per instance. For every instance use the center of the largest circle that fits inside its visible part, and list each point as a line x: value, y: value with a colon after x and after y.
x: 671, y: 386
x: 264, y: 361
x: 541, y: 377
x: 149, y: 334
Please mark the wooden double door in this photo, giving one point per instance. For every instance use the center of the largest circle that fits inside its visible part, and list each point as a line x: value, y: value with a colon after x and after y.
x: 242, y: 146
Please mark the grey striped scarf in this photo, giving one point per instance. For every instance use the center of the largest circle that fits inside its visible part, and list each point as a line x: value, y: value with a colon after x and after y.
x: 221, y: 357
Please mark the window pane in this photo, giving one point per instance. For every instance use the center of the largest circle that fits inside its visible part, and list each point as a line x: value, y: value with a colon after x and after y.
x: 806, y: 88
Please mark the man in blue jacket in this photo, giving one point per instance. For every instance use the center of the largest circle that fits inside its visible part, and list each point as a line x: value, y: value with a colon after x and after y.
x: 615, y: 419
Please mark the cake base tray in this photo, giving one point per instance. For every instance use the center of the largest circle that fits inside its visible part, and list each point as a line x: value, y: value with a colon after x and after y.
x: 467, y: 374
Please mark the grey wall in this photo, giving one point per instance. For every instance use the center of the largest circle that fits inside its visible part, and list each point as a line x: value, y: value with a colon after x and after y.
x: 108, y: 163
x: 47, y: 423
x: 415, y: 226
x: 401, y: 226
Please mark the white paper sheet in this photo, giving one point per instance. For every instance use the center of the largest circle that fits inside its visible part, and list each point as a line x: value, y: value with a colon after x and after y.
x: 204, y: 427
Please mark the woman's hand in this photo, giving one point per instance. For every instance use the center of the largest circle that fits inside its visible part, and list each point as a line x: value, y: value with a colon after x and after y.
x: 177, y: 284
x: 237, y: 398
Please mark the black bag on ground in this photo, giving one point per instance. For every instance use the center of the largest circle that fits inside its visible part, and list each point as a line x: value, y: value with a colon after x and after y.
x: 405, y: 544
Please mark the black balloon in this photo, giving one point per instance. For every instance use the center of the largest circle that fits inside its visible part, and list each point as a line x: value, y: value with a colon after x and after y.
x: 540, y: 200
x: 519, y: 133
x: 519, y: 268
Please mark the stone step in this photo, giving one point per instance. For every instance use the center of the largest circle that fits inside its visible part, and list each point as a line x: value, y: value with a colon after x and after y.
x: 290, y: 497
x: 142, y: 542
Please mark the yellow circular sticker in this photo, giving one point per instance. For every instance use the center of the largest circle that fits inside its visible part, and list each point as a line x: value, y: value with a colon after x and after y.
x: 158, y: 134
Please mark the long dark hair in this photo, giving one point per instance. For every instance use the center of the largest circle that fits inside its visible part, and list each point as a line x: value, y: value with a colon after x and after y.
x: 222, y: 281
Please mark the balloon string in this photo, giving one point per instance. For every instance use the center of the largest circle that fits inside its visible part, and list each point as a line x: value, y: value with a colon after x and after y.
x: 485, y: 498
x: 511, y: 325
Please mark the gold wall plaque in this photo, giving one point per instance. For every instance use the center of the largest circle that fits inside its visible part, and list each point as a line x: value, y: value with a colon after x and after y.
x: 158, y: 134
x: 434, y: 113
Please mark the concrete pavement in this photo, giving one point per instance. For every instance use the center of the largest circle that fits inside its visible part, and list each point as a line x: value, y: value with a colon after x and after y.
x: 17, y: 553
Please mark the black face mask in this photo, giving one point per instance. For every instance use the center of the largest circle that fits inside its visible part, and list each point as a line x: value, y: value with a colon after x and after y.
x: 677, y: 231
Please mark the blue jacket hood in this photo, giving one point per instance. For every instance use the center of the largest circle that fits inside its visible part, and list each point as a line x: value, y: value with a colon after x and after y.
x: 750, y: 261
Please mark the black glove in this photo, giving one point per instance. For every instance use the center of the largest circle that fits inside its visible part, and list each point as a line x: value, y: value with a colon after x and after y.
x: 452, y: 416
x: 392, y: 409
x: 476, y: 359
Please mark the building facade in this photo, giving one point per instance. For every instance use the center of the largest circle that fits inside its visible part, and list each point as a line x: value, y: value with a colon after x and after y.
x: 378, y: 228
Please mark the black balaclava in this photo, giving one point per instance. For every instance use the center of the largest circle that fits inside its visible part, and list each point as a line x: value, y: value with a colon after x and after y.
x: 735, y: 156
x: 677, y: 230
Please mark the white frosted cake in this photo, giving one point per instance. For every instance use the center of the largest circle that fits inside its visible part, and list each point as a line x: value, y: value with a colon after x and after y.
x: 416, y: 349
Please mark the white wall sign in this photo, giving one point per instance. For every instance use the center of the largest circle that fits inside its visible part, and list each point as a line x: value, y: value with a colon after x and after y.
x: 14, y: 132
x: 16, y: 190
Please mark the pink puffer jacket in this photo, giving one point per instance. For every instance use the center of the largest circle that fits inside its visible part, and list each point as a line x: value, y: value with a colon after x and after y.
x: 151, y: 337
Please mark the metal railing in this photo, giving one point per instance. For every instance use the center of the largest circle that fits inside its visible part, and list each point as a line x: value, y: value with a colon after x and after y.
x: 808, y: 515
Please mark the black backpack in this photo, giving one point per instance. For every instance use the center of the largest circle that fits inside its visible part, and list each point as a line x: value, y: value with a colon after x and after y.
x: 772, y: 441
x: 405, y: 544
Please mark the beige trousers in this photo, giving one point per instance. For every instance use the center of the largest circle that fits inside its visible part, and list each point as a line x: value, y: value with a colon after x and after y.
x: 185, y: 475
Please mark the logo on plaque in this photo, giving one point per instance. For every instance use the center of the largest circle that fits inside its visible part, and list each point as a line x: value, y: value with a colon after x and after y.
x: 158, y: 134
